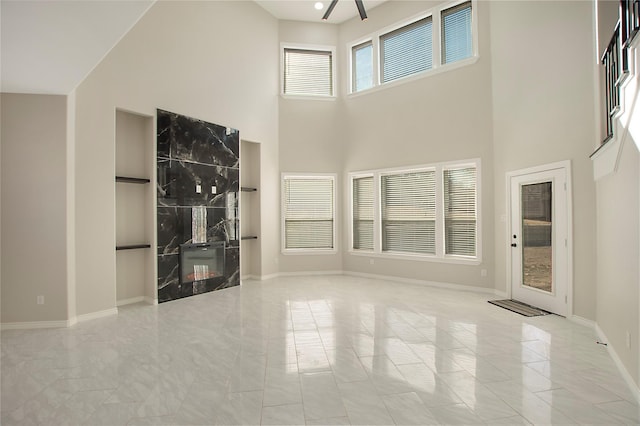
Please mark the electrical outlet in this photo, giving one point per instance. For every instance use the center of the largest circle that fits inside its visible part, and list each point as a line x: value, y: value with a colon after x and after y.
x: 371, y: 261
x: 40, y: 300
x: 483, y: 273
x: 628, y: 340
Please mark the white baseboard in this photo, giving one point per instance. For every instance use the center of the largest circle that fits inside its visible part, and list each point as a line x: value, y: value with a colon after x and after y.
x: 36, y: 324
x: 266, y: 277
x: 309, y: 273
x: 130, y: 301
x: 616, y: 359
x: 150, y: 300
x: 96, y: 315
x: 449, y: 286
x: 502, y: 294
x: 582, y: 321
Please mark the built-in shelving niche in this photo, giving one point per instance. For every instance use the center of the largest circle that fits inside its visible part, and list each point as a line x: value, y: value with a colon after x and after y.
x: 135, y: 235
x: 250, y: 209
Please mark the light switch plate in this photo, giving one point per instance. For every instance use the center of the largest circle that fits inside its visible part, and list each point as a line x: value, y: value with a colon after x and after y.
x: 198, y: 188
x: 214, y: 190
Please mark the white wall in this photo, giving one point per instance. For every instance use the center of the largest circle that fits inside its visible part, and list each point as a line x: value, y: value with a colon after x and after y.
x: 618, y: 252
x: 618, y: 214
x: 543, y: 112
x: 179, y: 57
x: 443, y: 117
x: 311, y: 138
x: 34, y: 208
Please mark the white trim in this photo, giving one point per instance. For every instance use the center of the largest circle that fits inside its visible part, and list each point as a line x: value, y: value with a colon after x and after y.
x: 559, y: 165
x: 130, y: 301
x: 633, y: 387
x: 266, y: 277
x: 582, y: 321
x: 436, y: 49
x: 309, y: 251
x: 36, y: 324
x: 438, y: 169
x: 309, y: 273
x: 499, y: 293
x: 312, y: 47
x: 98, y: 314
x: 450, y: 286
x: 151, y: 300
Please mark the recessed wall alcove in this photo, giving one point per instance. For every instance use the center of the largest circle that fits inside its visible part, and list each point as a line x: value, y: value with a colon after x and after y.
x: 135, y: 265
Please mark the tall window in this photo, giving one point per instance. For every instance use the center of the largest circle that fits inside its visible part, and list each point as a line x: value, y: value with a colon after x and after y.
x: 363, y: 212
x: 362, y: 62
x: 437, y: 37
x: 428, y: 211
x: 308, y: 205
x: 460, y: 211
x: 409, y: 212
x: 456, y: 33
x: 308, y: 72
x: 407, y: 50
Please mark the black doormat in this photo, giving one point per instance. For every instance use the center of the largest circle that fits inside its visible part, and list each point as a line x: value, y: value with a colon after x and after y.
x: 519, y: 307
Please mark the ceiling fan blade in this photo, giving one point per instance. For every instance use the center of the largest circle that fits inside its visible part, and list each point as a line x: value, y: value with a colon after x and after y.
x: 329, y: 10
x: 361, y: 11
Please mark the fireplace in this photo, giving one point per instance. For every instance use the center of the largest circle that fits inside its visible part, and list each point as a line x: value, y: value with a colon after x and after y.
x: 202, y: 261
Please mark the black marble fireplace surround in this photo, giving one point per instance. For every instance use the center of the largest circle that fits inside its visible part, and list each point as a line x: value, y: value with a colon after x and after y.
x: 198, y: 183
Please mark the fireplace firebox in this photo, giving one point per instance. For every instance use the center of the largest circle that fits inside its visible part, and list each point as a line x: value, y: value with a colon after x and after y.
x: 202, y: 261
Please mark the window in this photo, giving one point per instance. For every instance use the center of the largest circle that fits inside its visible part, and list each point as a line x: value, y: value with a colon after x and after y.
x: 363, y: 212
x: 407, y: 50
x: 362, y: 60
x: 308, y: 212
x: 427, y: 212
x: 460, y: 211
x: 308, y: 72
x: 456, y: 33
x: 409, y: 212
x: 417, y: 47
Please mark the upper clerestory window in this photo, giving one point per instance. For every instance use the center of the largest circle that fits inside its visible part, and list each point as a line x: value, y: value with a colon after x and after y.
x: 308, y: 71
x: 432, y: 40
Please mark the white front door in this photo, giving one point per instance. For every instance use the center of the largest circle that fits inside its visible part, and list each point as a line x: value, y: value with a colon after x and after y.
x: 539, y: 237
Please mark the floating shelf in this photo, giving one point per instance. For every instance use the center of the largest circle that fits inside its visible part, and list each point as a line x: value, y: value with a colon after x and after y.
x: 133, y: 246
x: 128, y: 179
x: 252, y: 237
x: 247, y: 189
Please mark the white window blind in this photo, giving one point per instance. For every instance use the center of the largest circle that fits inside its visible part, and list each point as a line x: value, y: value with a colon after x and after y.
x: 460, y: 211
x: 456, y: 33
x: 308, y: 72
x: 409, y: 212
x: 407, y: 50
x: 363, y: 213
x: 308, y: 212
x: 362, y: 62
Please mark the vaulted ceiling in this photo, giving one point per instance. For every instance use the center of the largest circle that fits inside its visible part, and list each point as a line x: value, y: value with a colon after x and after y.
x: 50, y: 46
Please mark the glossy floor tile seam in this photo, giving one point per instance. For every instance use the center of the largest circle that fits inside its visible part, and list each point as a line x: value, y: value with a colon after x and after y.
x: 314, y: 350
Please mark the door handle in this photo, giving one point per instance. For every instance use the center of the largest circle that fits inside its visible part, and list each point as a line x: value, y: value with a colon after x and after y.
x: 514, y: 245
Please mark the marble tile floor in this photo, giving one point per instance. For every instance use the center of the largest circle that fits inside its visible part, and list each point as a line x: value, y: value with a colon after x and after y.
x: 327, y: 350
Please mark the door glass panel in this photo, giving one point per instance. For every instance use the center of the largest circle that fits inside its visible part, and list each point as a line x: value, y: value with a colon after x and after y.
x: 537, y: 250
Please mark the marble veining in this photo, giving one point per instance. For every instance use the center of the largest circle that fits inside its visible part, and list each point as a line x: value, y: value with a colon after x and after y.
x: 245, y: 355
x: 198, y: 182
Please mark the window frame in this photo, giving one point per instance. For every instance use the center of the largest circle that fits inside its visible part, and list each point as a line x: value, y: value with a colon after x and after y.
x: 352, y: 67
x: 312, y: 48
x: 307, y: 251
x: 437, y: 65
x: 458, y: 7
x: 440, y: 255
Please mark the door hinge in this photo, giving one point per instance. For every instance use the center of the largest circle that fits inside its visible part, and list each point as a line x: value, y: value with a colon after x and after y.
x: 565, y: 242
x: 565, y: 186
x: 565, y: 298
